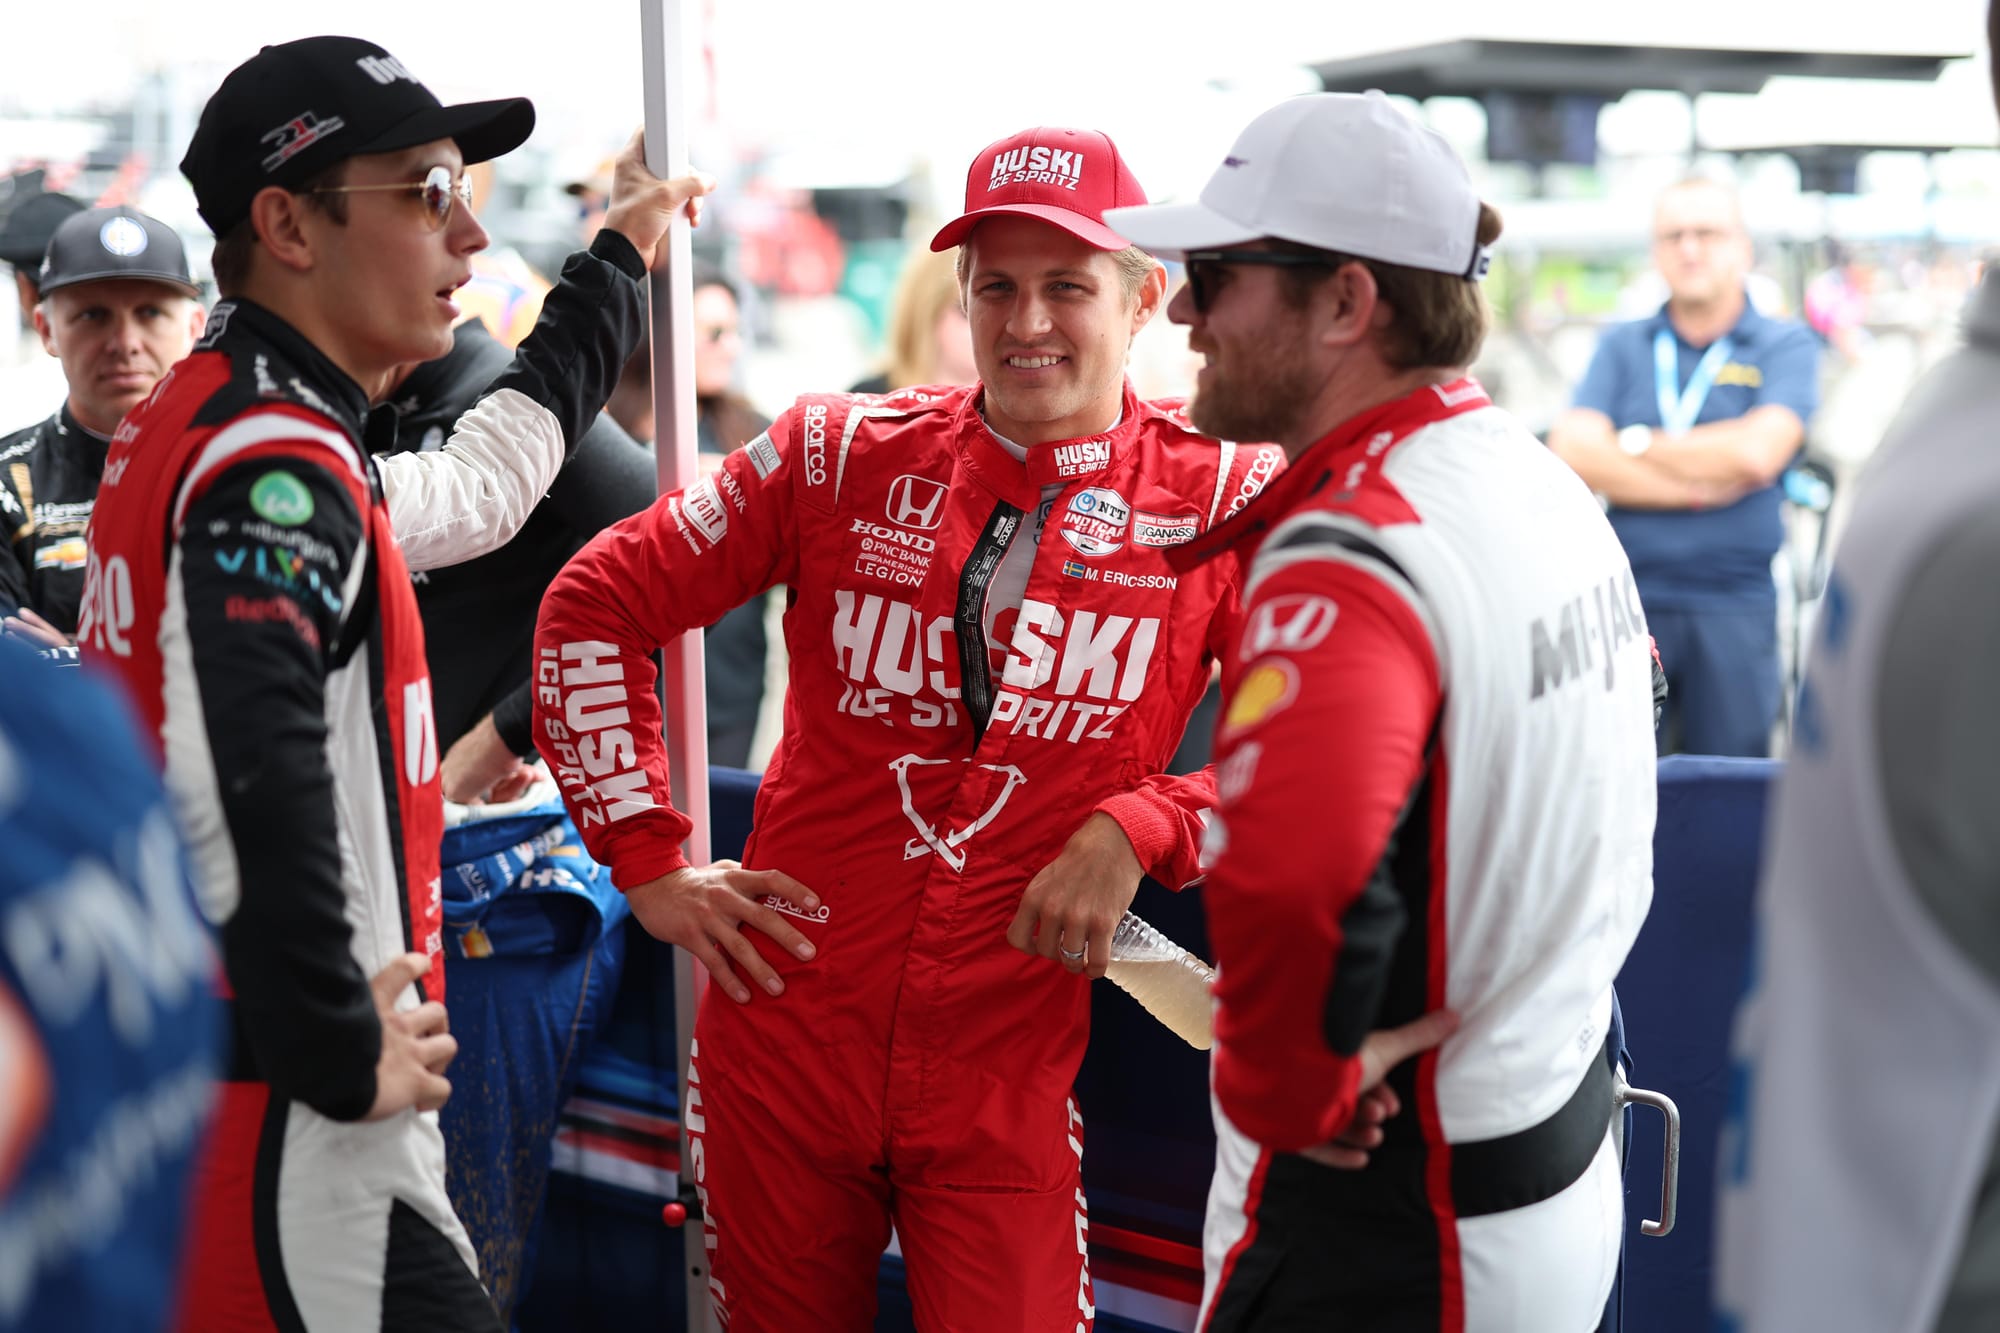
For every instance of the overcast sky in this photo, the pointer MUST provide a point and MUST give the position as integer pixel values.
(892, 80)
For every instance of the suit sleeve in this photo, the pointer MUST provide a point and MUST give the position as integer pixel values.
(472, 496)
(261, 621)
(1320, 752)
(675, 567)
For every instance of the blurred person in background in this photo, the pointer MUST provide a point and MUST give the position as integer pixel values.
(736, 648)
(118, 308)
(24, 239)
(249, 584)
(1684, 423)
(989, 663)
(593, 195)
(930, 341)
(506, 292)
(1860, 1182)
(1837, 301)
(110, 1035)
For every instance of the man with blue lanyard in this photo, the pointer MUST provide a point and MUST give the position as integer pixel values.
(1684, 423)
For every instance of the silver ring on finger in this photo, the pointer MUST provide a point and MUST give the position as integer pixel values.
(1074, 955)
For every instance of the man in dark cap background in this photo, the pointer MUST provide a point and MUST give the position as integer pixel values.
(24, 238)
(117, 306)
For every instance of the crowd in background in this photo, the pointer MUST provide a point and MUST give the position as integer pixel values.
(780, 297)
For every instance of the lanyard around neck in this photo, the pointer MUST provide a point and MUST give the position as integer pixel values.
(1679, 408)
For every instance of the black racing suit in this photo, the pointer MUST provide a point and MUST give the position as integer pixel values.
(48, 483)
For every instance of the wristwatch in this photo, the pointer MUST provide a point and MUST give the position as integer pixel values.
(1635, 440)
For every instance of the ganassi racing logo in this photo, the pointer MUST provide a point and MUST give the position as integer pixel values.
(948, 843)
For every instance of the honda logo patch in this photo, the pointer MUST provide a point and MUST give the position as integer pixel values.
(915, 502)
(1292, 623)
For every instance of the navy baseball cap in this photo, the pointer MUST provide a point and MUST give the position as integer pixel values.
(30, 224)
(102, 243)
(293, 110)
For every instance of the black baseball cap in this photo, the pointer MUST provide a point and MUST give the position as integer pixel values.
(102, 243)
(293, 110)
(30, 224)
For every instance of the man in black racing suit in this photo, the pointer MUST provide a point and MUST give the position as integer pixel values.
(118, 307)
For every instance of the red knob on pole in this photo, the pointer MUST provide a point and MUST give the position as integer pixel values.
(674, 1214)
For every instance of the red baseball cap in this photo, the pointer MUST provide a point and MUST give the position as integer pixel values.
(1064, 177)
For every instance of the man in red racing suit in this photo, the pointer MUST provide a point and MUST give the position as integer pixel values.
(990, 663)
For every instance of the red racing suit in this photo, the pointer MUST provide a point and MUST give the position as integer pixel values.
(1436, 783)
(938, 751)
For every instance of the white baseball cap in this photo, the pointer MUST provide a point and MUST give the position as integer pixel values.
(1346, 172)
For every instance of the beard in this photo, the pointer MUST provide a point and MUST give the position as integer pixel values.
(1262, 399)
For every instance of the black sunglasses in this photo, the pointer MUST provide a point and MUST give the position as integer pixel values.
(437, 187)
(1201, 266)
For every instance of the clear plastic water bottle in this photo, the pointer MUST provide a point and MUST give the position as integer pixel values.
(1169, 981)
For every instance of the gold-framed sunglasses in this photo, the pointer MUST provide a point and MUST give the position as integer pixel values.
(437, 187)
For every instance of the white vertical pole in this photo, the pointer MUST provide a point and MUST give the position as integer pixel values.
(667, 46)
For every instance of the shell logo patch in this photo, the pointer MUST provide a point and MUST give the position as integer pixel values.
(1265, 690)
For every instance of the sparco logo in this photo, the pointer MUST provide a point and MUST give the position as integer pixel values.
(1260, 472)
(1039, 165)
(1074, 460)
(815, 423)
(915, 502)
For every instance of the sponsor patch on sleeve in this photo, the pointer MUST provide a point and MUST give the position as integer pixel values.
(763, 455)
(282, 498)
(701, 515)
(1265, 690)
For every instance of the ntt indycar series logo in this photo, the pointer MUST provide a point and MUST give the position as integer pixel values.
(1037, 166)
(1096, 520)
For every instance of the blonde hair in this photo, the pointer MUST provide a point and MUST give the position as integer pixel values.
(1133, 266)
(928, 286)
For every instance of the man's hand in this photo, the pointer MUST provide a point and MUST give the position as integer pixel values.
(34, 631)
(479, 767)
(703, 909)
(1383, 1051)
(643, 205)
(1071, 908)
(417, 1045)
